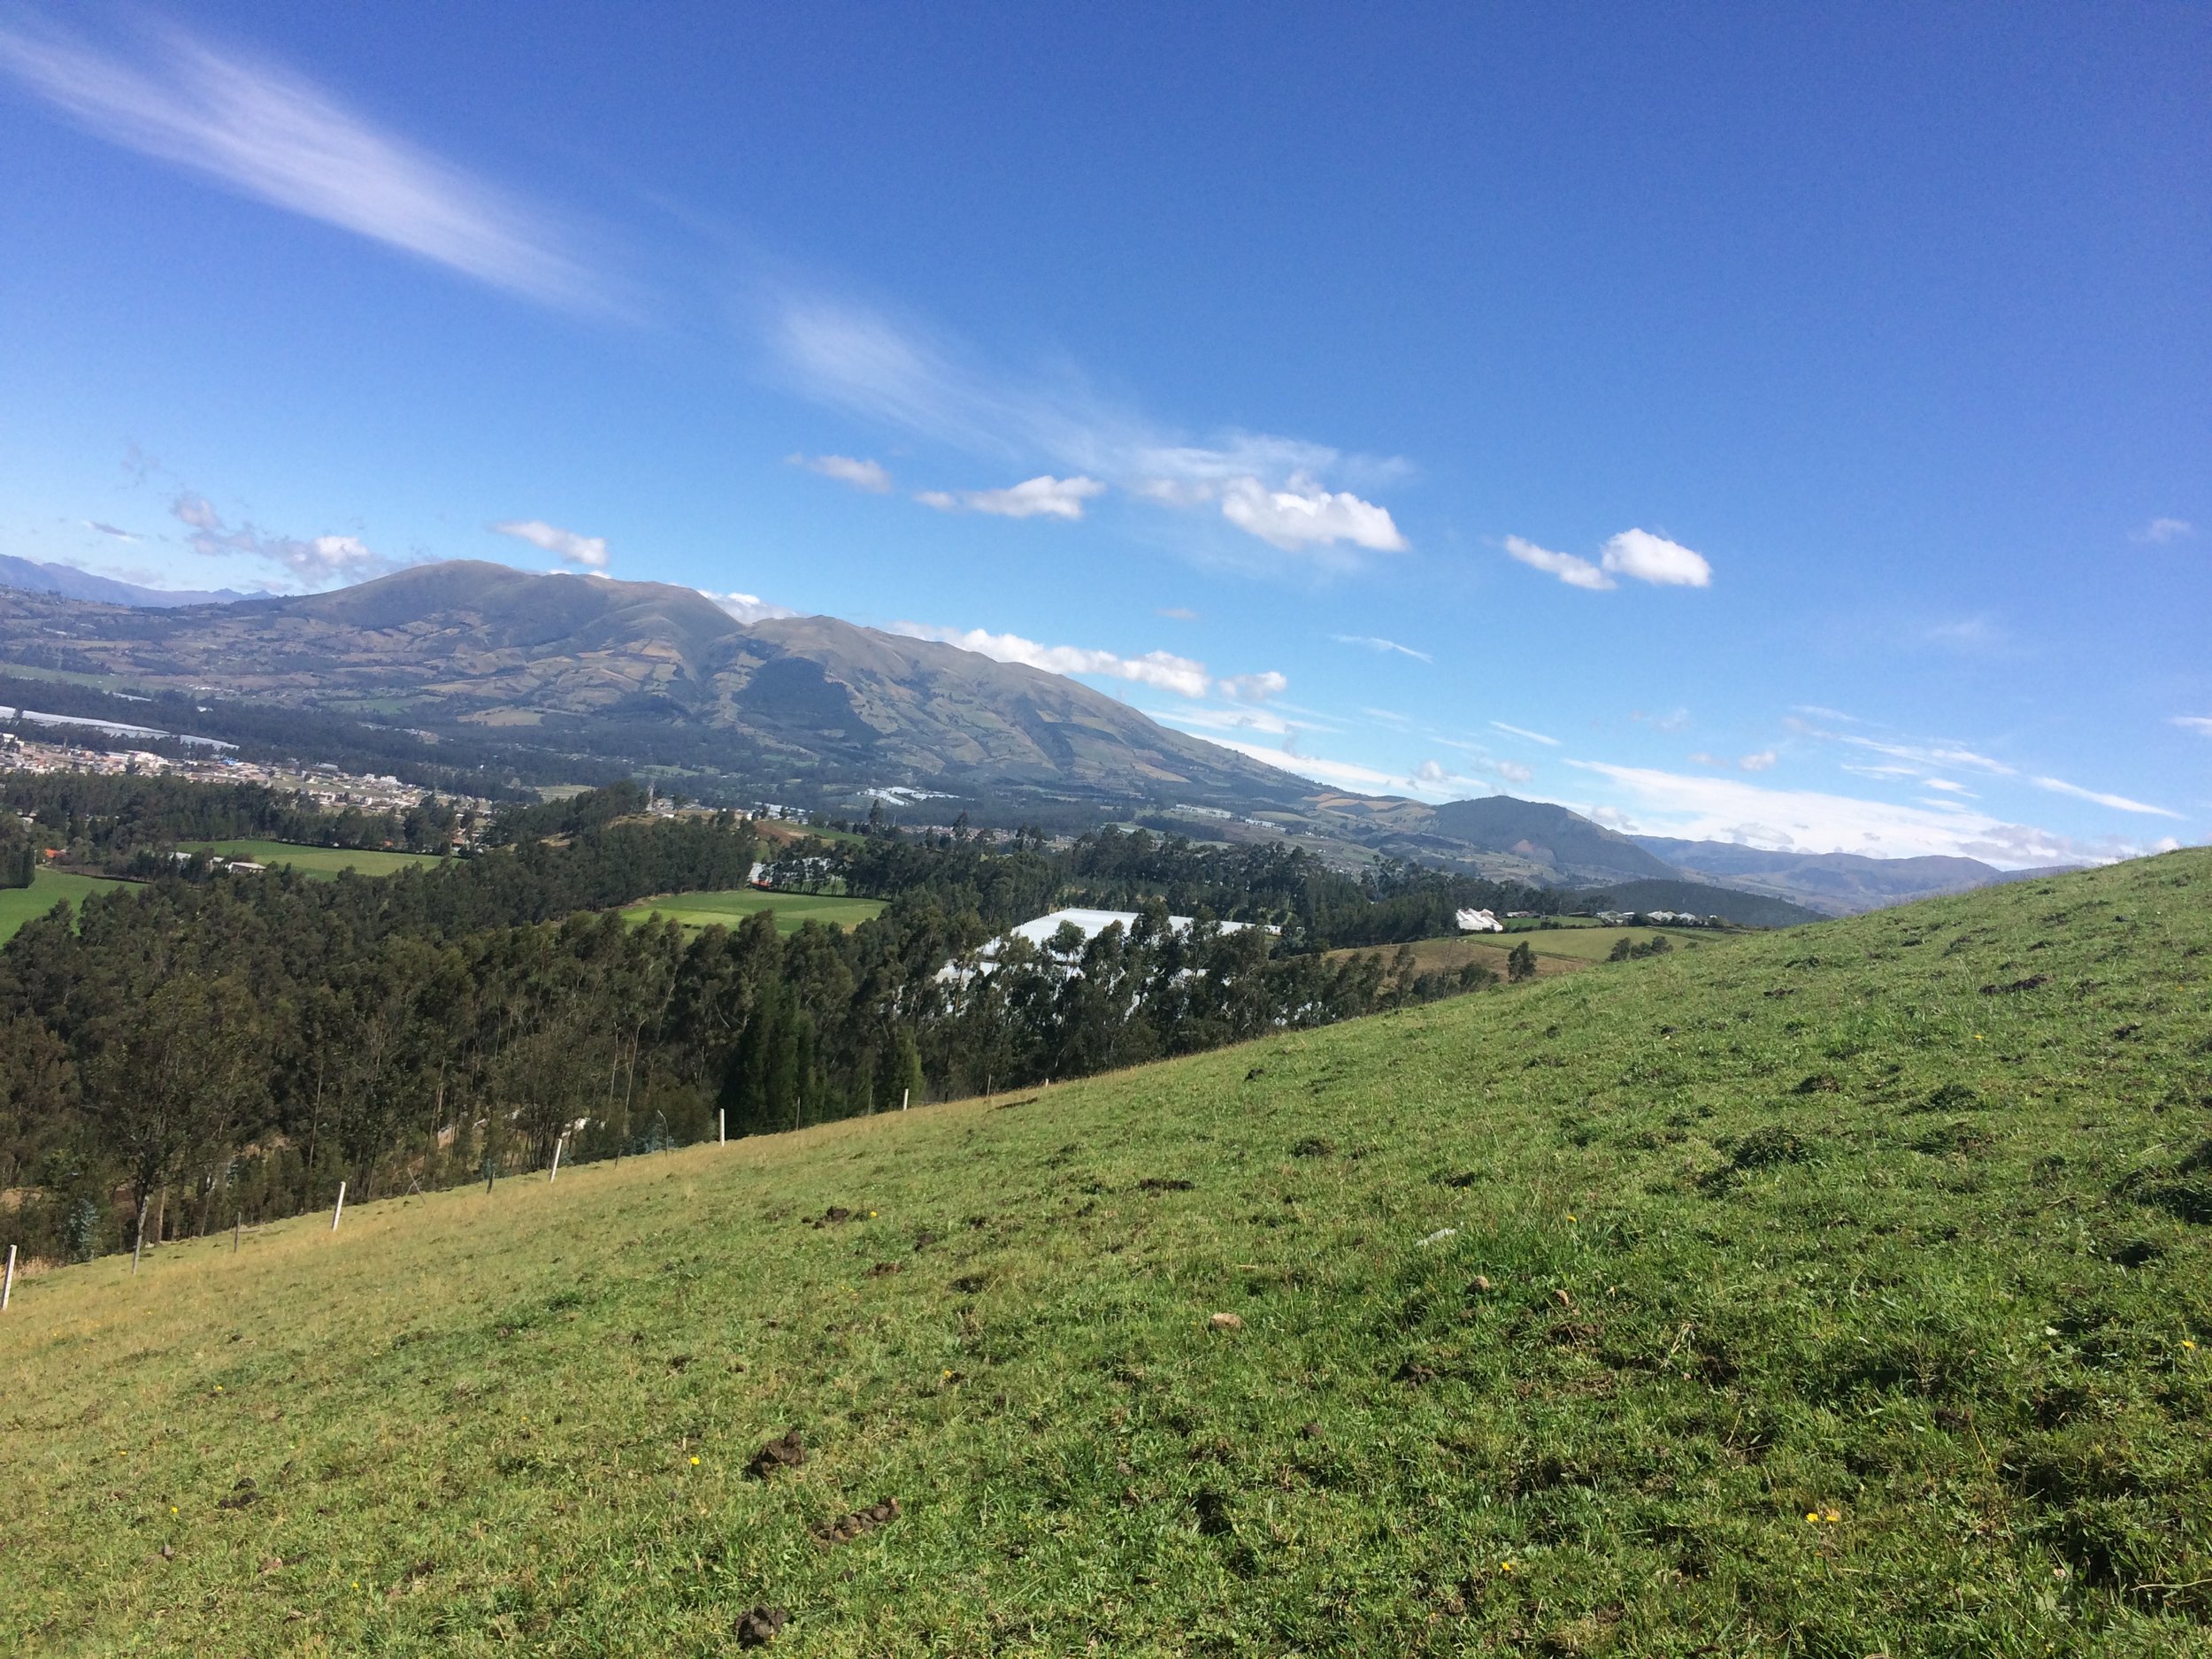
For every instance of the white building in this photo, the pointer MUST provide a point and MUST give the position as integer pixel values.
(1478, 922)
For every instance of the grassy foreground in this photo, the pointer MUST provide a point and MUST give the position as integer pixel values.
(729, 906)
(1828, 1293)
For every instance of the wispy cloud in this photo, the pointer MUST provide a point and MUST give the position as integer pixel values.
(1522, 731)
(271, 133)
(1162, 669)
(1636, 554)
(1571, 569)
(2159, 532)
(1176, 613)
(1375, 644)
(1428, 781)
(2200, 724)
(867, 475)
(1761, 762)
(748, 607)
(1043, 497)
(1253, 688)
(1807, 820)
(2117, 803)
(109, 529)
(586, 552)
(318, 561)
(1295, 497)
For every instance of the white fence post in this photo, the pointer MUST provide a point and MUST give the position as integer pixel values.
(341, 1208)
(722, 1126)
(553, 1174)
(7, 1289)
(904, 1095)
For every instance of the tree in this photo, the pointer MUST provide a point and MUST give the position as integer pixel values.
(1520, 963)
(171, 1085)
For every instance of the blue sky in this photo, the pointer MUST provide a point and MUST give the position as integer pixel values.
(1788, 427)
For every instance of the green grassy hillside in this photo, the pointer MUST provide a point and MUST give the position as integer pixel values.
(1829, 1293)
(730, 906)
(321, 862)
(19, 905)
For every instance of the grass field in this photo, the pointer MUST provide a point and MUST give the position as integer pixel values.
(19, 905)
(1829, 1292)
(320, 861)
(732, 905)
(1595, 944)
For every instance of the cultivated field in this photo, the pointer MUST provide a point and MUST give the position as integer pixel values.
(321, 862)
(1827, 1292)
(732, 905)
(19, 905)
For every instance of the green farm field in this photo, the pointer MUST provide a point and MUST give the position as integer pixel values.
(732, 905)
(322, 863)
(19, 905)
(1838, 1292)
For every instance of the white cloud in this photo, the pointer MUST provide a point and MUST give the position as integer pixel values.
(1428, 782)
(1759, 762)
(2117, 803)
(1176, 613)
(747, 608)
(586, 552)
(1161, 668)
(271, 134)
(868, 475)
(319, 561)
(1522, 731)
(1948, 786)
(1576, 572)
(1806, 820)
(1270, 487)
(1043, 497)
(109, 529)
(1653, 558)
(1374, 644)
(1512, 770)
(1636, 554)
(2159, 532)
(2198, 723)
(1303, 514)
(1253, 688)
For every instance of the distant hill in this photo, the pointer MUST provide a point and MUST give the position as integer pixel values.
(1835, 884)
(648, 672)
(72, 583)
(1746, 909)
(1578, 851)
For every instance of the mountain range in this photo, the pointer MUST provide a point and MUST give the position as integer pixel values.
(819, 711)
(30, 576)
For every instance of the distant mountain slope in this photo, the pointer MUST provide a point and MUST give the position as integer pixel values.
(1746, 909)
(72, 583)
(1835, 884)
(646, 671)
(1551, 836)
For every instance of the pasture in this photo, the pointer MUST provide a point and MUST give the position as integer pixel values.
(732, 905)
(318, 863)
(19, 905)
(1838, 1292)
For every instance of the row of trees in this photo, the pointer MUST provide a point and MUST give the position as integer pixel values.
(184, 1053)
(122, 820)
